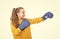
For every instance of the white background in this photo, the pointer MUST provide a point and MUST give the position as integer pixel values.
(49, 29)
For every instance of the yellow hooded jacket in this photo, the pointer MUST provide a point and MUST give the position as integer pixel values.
(26, 33)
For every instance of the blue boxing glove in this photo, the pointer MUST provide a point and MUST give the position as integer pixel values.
(25, 23)
(47, 15)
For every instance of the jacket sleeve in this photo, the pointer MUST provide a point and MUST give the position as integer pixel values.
(15, 30)
(35, 20)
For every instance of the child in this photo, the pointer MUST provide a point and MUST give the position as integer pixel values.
(20, 26)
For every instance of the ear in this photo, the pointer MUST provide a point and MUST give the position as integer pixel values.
(17, 13)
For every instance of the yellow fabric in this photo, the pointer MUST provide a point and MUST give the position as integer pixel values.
(26, 33)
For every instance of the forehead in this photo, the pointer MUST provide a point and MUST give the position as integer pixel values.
(21, 9)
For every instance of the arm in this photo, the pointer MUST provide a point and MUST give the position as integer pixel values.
(40, 19)
(26, 22)
(36, 20)
(15, 30)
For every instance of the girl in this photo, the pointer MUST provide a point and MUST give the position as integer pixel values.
(20, 26)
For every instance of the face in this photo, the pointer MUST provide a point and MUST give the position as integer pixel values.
(21, 14)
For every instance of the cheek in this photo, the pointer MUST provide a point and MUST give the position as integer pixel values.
(21, 15)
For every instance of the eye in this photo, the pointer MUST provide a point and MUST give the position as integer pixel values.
(23, 12)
